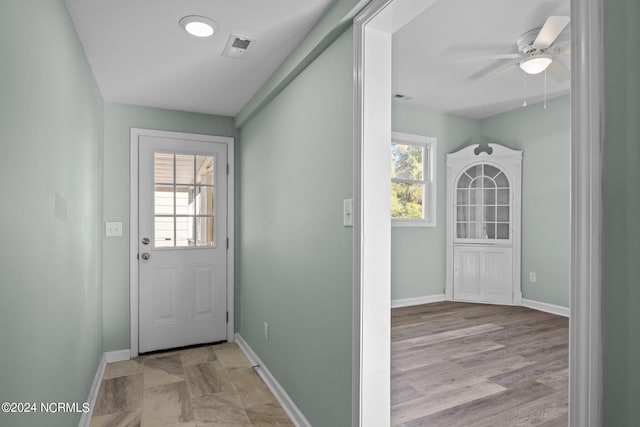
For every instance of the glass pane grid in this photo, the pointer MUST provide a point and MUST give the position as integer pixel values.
(482, 204)
(184, 208)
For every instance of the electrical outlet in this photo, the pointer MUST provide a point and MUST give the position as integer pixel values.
(266, 331)
(532, 277)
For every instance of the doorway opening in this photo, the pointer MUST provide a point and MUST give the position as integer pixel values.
(374, 28)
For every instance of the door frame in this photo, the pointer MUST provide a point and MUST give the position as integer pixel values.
(373, 28)
(136, 133)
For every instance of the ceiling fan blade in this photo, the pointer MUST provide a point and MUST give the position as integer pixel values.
(485, 57)
(550, 31)
(497, 73)
(558, 71)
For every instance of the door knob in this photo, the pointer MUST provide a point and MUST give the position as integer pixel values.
(145, 256)
(146, 241)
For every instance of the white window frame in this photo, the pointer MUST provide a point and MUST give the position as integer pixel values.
(429, 194)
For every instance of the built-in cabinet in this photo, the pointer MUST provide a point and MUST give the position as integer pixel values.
(483, 224)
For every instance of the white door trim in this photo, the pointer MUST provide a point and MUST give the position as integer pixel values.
(373, 28)
(133, 224)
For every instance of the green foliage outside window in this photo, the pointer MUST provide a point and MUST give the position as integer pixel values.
(407, 173)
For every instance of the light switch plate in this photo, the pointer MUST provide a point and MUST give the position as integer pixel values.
(348, 212)
(113, 229)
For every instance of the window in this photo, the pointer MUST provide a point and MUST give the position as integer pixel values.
(184, 200)
(413, 190)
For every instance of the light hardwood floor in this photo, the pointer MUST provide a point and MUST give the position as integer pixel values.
(209, 386)
(459, 364)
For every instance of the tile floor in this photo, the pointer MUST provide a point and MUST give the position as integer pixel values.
(212, 386)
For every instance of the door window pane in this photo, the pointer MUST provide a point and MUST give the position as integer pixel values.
(163, 168)
(163, 231)
(205, 231)
(184, 231)
(163, 200)
(204, 200)
(185, 169)
(205, 170)
(184, 202)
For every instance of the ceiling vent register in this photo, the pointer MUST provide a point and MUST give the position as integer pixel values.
(237, 46)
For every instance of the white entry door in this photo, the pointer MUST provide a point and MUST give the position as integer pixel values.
(182, 242)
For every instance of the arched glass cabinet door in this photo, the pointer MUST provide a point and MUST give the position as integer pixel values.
(482, 204)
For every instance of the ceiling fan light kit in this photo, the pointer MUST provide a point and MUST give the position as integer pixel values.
(535, 64)
(536, 51)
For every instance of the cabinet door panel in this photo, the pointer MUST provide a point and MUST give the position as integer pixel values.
(467, 273)
(498, 275)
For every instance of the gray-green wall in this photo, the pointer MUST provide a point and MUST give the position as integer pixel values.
(418, 253)
(118, 121)
(51, 136)
(621, 234)
(295, 255)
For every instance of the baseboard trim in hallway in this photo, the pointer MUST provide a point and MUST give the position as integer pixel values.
(108, 357)
(547, 308)
(407, 302)
(297, 417)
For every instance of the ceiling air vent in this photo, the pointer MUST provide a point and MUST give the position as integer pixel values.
(237, 46)
(402, 97)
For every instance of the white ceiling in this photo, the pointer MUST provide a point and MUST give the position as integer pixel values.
(139, 54)
(426, 53)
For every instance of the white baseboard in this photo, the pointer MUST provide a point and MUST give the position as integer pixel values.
(416, 301)
(548, 308)
(85, 420)
(111, 356)
(297, 417)
(117, 356)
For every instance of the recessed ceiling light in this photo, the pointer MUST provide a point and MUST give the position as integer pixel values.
(198, 26)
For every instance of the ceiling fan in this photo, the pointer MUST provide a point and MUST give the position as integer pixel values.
(536, 52)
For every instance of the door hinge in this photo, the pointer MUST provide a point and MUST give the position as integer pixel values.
(227, 317)
(138, 257)
(227, 243)
(227, 168)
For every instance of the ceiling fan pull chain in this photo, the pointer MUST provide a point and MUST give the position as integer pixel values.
(545, 89)
(524, 79)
